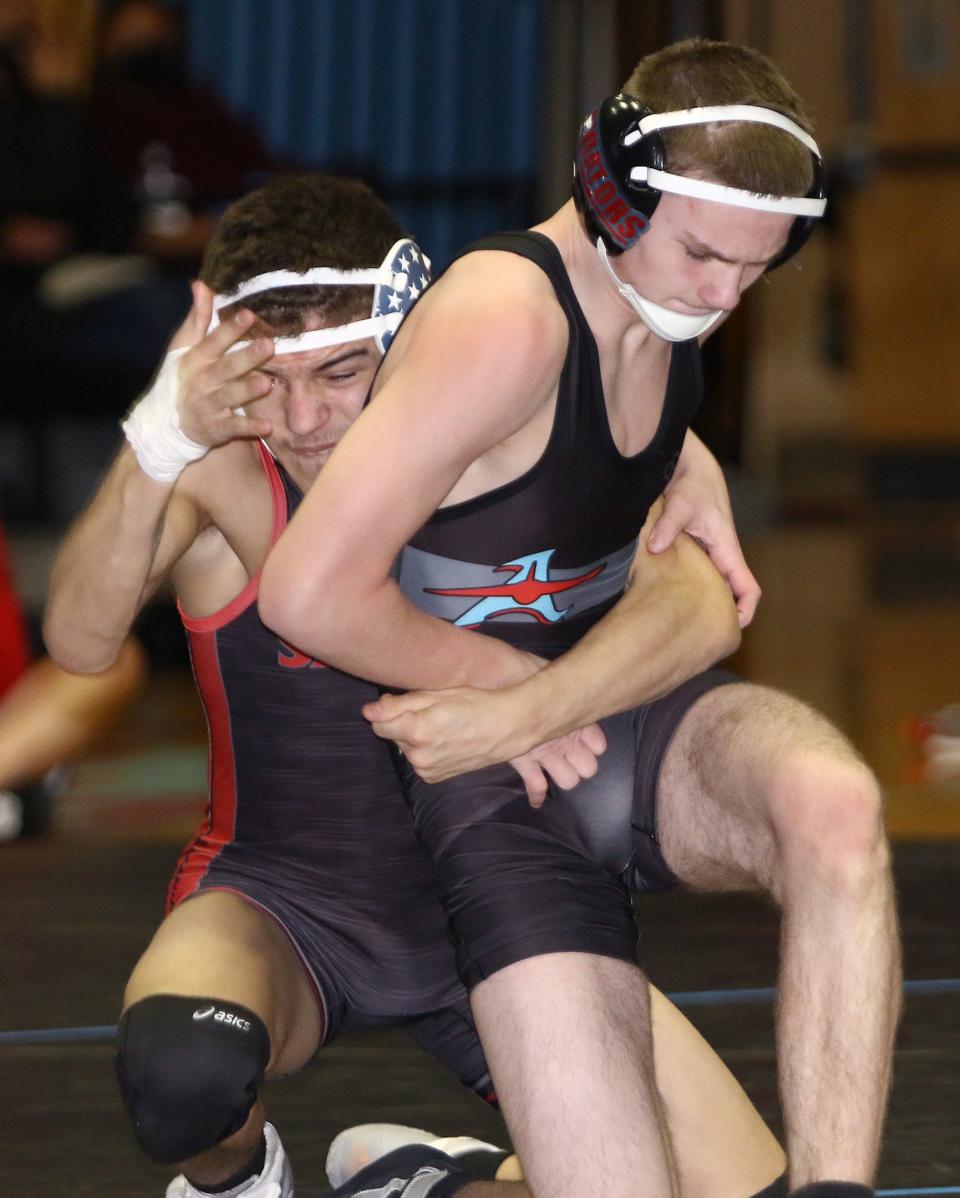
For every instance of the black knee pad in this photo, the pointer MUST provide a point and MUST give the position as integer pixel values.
(189, 1069)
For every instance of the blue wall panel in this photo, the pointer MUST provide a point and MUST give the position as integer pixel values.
(436, 102)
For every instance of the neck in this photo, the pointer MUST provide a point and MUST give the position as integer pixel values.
(609, 316)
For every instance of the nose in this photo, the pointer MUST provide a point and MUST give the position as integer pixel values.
(306, 409)
(724, 286)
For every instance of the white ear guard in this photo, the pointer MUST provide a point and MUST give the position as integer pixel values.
(397, 283)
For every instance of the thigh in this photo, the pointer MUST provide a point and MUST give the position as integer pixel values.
(514, 880)
(217, 945)
(720, 775)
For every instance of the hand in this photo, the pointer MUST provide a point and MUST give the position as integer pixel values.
(696, 501)
(212, 382)
(446, 733)
(566, 760)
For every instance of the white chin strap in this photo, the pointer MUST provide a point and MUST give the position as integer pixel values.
(664, 322)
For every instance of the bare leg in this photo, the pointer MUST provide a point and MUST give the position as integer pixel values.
(758, 791)
(48, 715)
(217, 945)
(723, 1148)
(568, 1041)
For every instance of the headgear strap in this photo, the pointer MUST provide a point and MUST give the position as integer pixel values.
(398, 282)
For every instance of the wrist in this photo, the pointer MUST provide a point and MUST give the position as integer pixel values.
(530, 711)
(153, 430)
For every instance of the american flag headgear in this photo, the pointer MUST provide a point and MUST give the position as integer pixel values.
(397, 284)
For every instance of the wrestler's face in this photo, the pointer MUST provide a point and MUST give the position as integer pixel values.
(698, 255)
(314, 397)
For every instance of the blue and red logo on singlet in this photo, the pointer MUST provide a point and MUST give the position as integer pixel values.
(529, 592)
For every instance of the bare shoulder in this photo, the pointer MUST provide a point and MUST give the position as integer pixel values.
(227, 477)
(508, 292)
(491, 321)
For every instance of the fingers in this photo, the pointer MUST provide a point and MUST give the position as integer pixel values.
(595, 740)
(534, 780)
(739, 578)
(195, 323)
(388, 707)
(223, 365)
(214, 380)
(401, 728)
(677, 515)
(213, 361)
(747, 601)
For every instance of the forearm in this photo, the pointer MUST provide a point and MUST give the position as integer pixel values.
(662, 632)
(99, 578)
(377, 633)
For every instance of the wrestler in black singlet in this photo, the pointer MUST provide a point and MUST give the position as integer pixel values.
(537, 562)
(306, 821)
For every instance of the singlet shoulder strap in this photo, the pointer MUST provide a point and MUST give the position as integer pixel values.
(534, 247)
(283, 494)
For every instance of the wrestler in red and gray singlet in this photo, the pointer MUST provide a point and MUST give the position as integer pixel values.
(305, 812)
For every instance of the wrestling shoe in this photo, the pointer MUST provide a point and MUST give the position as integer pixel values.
(274, 1181)
(415, 1171)
(359, 1146)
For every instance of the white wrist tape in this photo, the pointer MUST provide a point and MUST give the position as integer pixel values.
(153, 426)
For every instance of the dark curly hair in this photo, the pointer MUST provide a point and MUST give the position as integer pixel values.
(297, 222)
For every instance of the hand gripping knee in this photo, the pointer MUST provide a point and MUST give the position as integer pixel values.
(189, 1069)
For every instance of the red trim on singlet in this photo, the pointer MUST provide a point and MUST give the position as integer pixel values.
(14, 647)
(217, 829)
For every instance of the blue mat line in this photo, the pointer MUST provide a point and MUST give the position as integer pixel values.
(919, 1190)
(707, 998)
(682, 998)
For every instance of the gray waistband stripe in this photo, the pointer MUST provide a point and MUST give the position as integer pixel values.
(526, 588)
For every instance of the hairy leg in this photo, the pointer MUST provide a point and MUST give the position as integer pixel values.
(567, 1037)
(219, 946)
(759, 791)
(723, 1148)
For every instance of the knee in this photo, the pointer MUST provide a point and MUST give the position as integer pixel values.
(827, 814)
(189, 1069)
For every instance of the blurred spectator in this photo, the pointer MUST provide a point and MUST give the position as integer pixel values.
(113, 169)
(183, 154)
(56, 200)
(47, 716)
